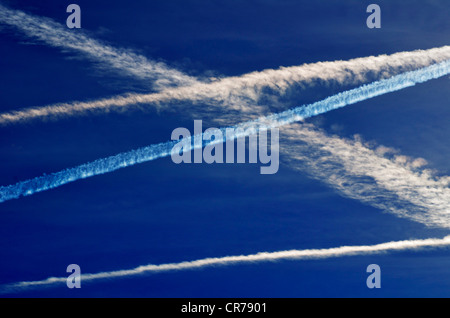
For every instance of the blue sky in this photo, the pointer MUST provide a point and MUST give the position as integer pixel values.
(159, 212)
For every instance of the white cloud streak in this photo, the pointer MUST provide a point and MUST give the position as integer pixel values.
(240, 259)
(57, 35)
(243, 94)
(375, 176)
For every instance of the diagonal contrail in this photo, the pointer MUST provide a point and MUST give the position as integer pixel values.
(376, 176)
(152, 152)
(242, 93)
(231, 260)
(57, 35)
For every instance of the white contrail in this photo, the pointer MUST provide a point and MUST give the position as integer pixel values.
(152, 152)
(231, 260)
(57, 35)
(242, 93)
(383, 179)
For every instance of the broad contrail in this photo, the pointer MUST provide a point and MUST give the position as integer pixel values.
(247, 93)
(377, 176)
(231, 260)
(152, 152)
(57, 35)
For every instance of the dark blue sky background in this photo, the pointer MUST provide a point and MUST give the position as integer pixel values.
(160, 212)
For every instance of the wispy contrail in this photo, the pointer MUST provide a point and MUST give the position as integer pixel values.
(242, 93)
(152, 152)
(231, 260)
(375, 176)
(57, 35)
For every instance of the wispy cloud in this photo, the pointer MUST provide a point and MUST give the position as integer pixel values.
(247, 94)
(57, 35)
(109, 164)
(375, 176)
(232, 260)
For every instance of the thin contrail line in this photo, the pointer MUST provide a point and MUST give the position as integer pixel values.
(243, 93)
(232, 260)
(57, 35)
(152, 152)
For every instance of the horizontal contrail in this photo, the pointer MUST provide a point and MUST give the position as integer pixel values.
(57, 35)
(242, 93)
(231, 260)
(157, 151)
(377, 176)
(152, 152)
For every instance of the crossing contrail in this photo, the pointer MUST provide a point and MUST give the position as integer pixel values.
(109, 164)
(244, 94)
(239, 259)
(57, 35)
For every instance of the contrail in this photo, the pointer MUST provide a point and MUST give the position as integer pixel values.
(243, 93)
(376, 176)
(57, 35)
(232, 260)
(152, 152)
